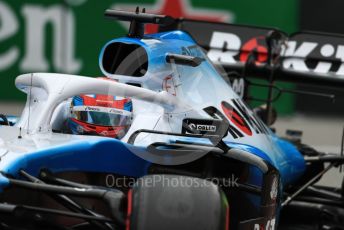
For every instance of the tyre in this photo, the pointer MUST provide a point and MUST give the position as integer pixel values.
(172, 202)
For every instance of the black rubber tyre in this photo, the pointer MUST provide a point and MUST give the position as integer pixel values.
(172, 202)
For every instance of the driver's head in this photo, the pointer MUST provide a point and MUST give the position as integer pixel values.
(102, 115)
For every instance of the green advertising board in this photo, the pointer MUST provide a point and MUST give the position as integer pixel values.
(66, 36)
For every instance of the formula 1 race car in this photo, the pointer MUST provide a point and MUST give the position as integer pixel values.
(163, 141)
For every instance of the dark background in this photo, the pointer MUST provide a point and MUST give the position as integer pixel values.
(326, 16)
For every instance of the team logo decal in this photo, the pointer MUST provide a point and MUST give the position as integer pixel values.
(303, 52)
(204, 128)
(270, 225)
(240, 121)
(169, 86)
(234, 116)
(257, 45)
(274, 189)
(238, 86)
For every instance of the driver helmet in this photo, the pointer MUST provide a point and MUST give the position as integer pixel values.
(101, 115)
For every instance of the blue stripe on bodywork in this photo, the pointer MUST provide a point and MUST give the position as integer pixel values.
(113, 156)
(102, 155)
(288, 160)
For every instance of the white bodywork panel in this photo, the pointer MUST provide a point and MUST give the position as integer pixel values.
(151, 110)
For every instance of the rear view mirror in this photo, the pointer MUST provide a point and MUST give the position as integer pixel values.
(180, 59)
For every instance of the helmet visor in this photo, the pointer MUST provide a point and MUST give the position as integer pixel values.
(102, 116)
